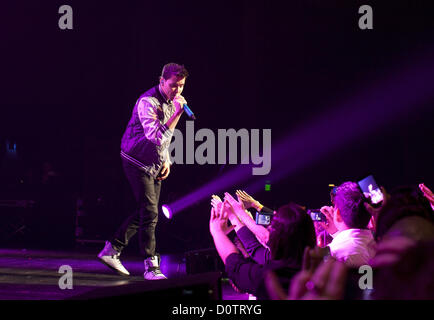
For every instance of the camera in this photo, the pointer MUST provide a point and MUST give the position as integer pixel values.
(263, 218)
(317, 215)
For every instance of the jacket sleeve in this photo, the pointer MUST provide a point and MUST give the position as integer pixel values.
(245, 274)
(267, 210)
(254, 248)
(154, 130)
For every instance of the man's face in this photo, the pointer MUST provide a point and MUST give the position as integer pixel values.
(173, 86)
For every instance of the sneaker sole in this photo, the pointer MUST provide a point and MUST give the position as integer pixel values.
(114, 269)
(155, 279)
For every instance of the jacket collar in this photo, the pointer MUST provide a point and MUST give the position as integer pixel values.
(162, 95)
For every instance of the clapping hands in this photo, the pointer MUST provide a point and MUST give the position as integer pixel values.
(219, 217)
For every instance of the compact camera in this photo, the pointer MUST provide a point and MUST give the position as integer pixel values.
(263, 218)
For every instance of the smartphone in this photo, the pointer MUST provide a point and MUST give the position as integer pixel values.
(263, 218)
(371, 190)
(316, 215)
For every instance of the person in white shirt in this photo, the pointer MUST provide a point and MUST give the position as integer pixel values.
(347, 223)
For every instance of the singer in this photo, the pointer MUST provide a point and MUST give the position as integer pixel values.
(146, 162)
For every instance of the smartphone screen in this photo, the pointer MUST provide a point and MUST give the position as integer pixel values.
(371, 190)
(316, 215)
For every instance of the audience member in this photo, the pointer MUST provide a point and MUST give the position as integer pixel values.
(290, 266)
(429, 195)
(245, 201)
(405, 234)
(406, 213)
(321, 278)
(347, 223)
(291, 231)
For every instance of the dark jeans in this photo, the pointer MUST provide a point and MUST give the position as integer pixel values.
(144, 220)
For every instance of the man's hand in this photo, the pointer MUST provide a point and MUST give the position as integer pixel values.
(329, 225)
(179, 102)
(165, 170)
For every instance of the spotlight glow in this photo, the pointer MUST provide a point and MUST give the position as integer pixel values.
(167, 211)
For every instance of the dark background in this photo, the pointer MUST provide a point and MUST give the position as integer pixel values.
(67, 96)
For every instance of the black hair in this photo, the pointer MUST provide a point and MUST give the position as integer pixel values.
(171, 69)
(404, 201)
(350, 201)
(291, 231)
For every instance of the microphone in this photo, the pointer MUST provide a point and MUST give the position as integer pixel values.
(189, 113)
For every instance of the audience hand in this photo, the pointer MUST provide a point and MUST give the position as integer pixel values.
(329, 225)
(427, 193)
(248, 200)
(219, 220)
(236, 205)
(233, 218)
(216, 202)
(217, 198)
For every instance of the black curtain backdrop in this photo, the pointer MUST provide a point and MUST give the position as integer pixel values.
(66, 95)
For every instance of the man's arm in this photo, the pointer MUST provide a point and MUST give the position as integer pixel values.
(154, 130)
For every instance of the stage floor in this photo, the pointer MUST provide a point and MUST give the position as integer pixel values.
(34, 274)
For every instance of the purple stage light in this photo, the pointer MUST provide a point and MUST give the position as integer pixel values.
(167, 211)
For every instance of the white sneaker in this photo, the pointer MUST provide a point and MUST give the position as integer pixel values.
(110, 257)
(152, 269)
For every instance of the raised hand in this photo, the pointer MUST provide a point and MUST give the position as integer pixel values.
(247, 200)
(179, 102)
(164, 171)
(216, 202)
(329, 225)
(236, 205)
(427, 193)
(219, 219)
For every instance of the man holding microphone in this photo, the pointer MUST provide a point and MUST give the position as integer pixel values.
(146, 162)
